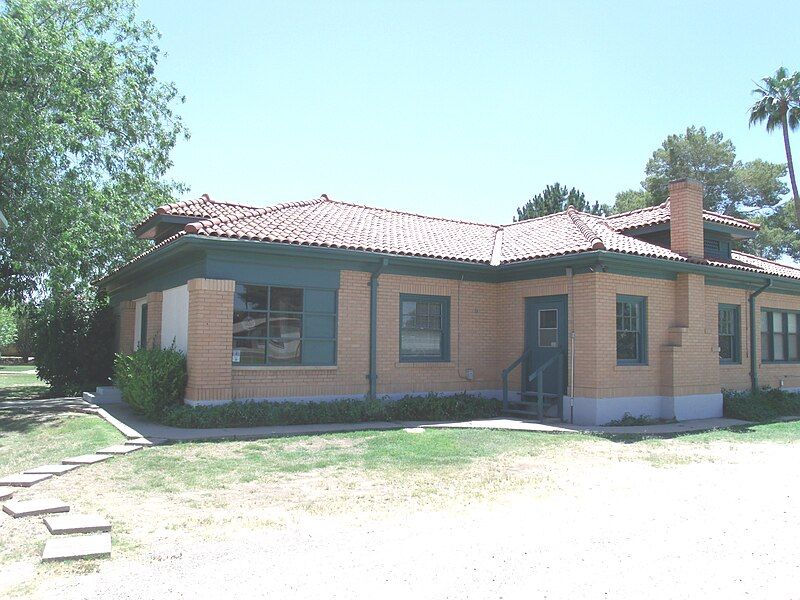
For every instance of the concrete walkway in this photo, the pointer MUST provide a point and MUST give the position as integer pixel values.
(135, 426)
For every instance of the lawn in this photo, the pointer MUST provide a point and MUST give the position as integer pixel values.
(428, 506)
(19, 382)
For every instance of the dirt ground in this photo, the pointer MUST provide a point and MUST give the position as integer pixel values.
(581, 520)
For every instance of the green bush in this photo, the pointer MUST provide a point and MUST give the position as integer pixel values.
(73, 341)
(152, 380)
(409, 408)
(767, 405)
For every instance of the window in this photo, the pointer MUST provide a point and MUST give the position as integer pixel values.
(631, 330)
(779, 336)
(548, 328)
(729, 336)
(276, 326)
(143, 327)
(424, 328)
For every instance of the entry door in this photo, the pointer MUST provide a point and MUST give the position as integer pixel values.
(546, 335)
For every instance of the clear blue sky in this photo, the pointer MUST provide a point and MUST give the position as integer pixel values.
(458, 109)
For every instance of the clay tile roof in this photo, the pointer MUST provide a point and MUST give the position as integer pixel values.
(656, 215)
(334, 224)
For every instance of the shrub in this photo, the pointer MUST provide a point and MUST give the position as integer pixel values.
(768, 404)
(409, 408)
(152, 380)
(73, 341)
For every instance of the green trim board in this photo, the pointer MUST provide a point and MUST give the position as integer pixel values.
(415, 321)
(729, 325)
(209, 257)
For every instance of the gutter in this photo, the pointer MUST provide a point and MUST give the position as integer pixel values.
(753, 359)
(373, 329)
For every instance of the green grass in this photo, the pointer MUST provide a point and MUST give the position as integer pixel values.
(17, 384)
(16, 368)
(777, 432)
(31, 439)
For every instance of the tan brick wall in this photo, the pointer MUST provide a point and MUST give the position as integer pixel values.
(210, 339)
(127, 326)
(153, 334)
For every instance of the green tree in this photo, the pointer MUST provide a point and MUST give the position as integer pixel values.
(85, 137)
(631, 200)
(8, 326)
(778, 104)
(556, 198)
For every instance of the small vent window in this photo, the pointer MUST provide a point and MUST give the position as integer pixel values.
(712, 248)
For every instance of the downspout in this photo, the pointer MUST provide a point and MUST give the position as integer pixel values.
(753, 358)
(373, 329)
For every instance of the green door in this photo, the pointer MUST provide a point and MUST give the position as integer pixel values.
(546, 335)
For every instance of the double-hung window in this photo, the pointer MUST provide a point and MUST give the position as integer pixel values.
(424, 328)
(631, 330)
(729, 334)
(779, 336)
(276, 325)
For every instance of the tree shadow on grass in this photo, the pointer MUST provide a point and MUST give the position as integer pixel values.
(24, 392)
(23, 421)
(745, 431)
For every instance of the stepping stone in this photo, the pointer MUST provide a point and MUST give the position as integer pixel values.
(30, 508)
(82, 546)
(86, 459)
(414, 430)
(139, 442)
(24, 479)
(73, 523)
(119, 449)
(52, 469)
(6, 492)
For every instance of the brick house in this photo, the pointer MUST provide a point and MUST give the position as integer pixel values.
(647, 312)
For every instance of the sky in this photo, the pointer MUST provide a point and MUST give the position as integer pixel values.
(457, 109)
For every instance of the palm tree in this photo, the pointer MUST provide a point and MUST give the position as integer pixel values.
(779, 105)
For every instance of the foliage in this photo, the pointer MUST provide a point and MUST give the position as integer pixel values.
(73, 342)
(779, 105)
(631, 200)
(8, 326)
(84, 140)
(768, 404)
(152, 380)
(25, 333)
(556, 198)
(779, 234)
(628, 420)
(410, 408)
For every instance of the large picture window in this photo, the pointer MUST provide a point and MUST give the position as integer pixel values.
(729, 336)
(424, 328)
(274, 325)
(631, 330)
(779, 336)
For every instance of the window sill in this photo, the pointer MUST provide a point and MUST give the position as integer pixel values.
(424, 363)
(626, 366)
(284, 367)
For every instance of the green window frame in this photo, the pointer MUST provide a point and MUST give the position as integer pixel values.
(780, 336)
(729, 334)
(143, 326)
(276, 325)
(631, 315)
(424, 328)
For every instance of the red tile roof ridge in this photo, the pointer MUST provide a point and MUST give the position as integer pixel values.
(744, 222)
(590, 234)
(539, 218)
(198, 226)
(638, 210)
(762, 259)
(410, 214)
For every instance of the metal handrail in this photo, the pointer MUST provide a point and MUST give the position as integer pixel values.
(508, 370)
(540, 380)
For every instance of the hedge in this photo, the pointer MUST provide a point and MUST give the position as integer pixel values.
(767, 405)
(409, 408)
(151, 380)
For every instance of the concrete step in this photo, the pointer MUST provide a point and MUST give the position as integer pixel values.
(86, 459)
(96, 545)
(31, 508)
(52, 469)
(75, 523)
(143, 442)
(6, 492)
(119, 449)
(23, 479)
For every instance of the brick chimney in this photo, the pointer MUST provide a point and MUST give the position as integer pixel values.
(686, 217)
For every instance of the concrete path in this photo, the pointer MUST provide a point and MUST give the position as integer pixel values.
(83, 546)
(156, 433)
